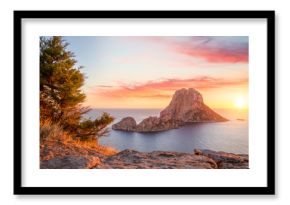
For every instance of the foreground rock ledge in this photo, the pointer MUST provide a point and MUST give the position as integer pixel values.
(69, 156)
(199, 159)
(131, 159)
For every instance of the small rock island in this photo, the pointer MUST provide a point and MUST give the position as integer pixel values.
(186, 106)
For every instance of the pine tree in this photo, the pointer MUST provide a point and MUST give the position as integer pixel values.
(60, 90)
(60, 81)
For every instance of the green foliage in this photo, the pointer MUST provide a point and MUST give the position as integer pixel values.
(60, 90)
(60, 83)
(93, 129)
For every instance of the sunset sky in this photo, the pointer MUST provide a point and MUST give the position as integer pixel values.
(144, 72)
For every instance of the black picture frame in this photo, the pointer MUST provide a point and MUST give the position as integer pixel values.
(268, 190)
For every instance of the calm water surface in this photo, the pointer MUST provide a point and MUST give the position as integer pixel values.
(231, 136)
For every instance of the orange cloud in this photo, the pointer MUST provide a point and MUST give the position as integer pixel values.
(163, 88)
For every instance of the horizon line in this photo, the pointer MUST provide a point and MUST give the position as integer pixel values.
(232, 108)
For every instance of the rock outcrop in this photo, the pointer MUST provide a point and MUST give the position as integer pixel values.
(154, 124)
(186, 106)
(199, 159)
(60, 155)
(127, 124)
(226, 160)
(71, 162)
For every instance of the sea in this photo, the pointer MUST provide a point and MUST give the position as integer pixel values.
(230, 136)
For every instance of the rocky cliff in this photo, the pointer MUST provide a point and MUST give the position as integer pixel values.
(186, 106)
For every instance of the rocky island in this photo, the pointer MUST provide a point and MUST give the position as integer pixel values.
(186, 106)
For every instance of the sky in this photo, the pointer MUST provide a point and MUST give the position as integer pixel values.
(145, 71)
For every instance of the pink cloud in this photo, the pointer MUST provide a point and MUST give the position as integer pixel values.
(164, 88)
(214, 55)
(211, 49)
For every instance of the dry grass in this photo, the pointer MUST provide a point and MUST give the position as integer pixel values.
(108, 151)
(50, 133)
(54, 132)
(93, 144)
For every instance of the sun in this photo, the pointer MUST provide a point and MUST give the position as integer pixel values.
(240, 102)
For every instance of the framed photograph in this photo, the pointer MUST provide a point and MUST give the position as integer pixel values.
(144, 102)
